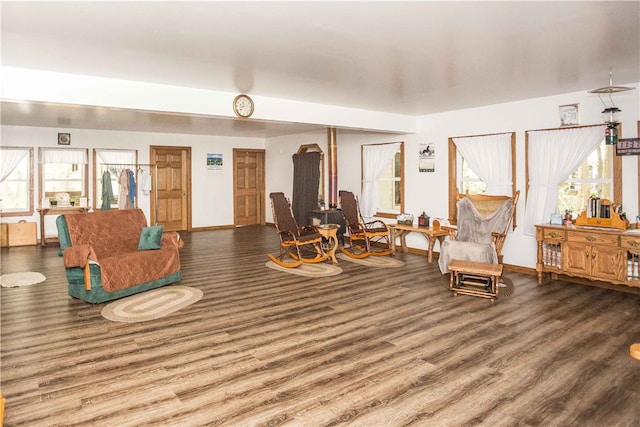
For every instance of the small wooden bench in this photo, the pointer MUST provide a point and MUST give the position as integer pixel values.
(475, 278)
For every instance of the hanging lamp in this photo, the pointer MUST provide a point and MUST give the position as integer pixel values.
(610, 112)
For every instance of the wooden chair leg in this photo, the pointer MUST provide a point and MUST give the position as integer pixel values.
(634, 351)
(2, 404)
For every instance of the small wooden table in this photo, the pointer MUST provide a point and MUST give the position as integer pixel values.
(475, 278)
(401, 231)
(56, 211)
(330, 233)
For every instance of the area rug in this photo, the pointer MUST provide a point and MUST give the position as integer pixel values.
(373, 261)
(152, 304)
(15, 280)
(320, 269)
(505, 287)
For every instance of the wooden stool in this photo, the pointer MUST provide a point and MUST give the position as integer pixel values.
(479, 279)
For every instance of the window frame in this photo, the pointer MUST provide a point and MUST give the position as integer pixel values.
(617, 164)
(379, 214)
(30, 207)
(453, 173)
(41, 177)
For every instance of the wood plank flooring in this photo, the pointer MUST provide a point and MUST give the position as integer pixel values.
(369, 347)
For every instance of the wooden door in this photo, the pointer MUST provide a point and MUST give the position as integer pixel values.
(248, 187)
(170, 205)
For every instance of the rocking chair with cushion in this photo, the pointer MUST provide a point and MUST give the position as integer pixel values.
(299, 244)
(482, 227)
(366, 238)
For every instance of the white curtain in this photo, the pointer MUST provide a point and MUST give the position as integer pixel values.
(553, 155)
(375, 159)
(65, 155)
(489, 156)
(121, 157)
(10, 158)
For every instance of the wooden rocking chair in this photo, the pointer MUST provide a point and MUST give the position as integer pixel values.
(300, 244)
(365, 238)
(482, 226)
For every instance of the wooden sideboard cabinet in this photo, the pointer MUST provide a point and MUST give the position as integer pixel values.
(598, 254)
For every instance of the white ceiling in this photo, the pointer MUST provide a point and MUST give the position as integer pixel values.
(411, 58)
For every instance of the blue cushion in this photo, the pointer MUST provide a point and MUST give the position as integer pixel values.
(151, 238)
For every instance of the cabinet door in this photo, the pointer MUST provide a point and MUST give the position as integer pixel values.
(606, 263)
(576, 259)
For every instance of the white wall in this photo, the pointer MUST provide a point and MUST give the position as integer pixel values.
(212, 191)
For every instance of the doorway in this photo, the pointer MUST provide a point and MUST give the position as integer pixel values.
(248, 186)
(172, 205)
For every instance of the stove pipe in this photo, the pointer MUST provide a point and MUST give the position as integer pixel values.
(333, 168)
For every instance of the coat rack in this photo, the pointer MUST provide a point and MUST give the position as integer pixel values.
(138, 167)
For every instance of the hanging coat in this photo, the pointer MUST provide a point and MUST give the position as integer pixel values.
(107, 191)
(132, 189)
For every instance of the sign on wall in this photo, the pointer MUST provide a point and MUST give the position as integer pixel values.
(628, 147)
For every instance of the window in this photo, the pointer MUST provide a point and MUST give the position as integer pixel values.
(594, 177)
(390, 187)
(16, 181)
(63, 171)
(494, 170)
(383, 180)
(469, 180)
(114, 162)
(563, 166)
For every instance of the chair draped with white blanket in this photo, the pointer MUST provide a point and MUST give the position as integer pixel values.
(482, 227)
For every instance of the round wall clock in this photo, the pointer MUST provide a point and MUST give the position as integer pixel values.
(243, 106)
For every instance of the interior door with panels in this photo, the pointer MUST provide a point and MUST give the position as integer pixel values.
(172, 208)
(248, 186)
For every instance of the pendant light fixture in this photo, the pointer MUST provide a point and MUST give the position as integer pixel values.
(610, 112)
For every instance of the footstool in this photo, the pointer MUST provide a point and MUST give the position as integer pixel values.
(479, 279)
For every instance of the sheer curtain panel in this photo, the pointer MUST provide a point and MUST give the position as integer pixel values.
(553, 155)
(63, 155)
(375, 159)
(489, 156)
(10, 158)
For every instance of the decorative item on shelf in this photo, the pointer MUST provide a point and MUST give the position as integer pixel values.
(405, 219)
(556, 219)
(63, 200)
(610, 112)
(568, 218)
(602, 213)
(423, 220)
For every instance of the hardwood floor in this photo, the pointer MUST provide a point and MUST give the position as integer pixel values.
(369, 347)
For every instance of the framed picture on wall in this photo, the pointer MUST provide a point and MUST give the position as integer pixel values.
(569, 115)
(64, 139)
